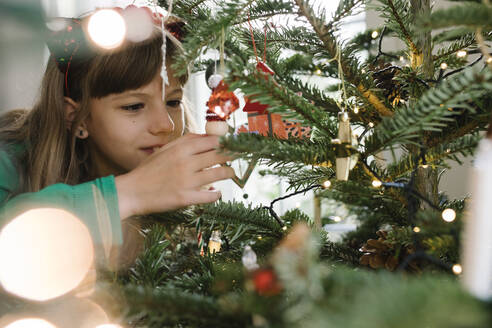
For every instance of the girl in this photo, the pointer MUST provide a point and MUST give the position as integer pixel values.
(100, 142)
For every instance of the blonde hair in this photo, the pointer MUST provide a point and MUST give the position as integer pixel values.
(53, 153)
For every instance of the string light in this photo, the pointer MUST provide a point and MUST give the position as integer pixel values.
(336, 218)
(376, 183)
(356, 110)
(461, 54)
(327, 184)
(374, 34)
(317, 72)
(402, 58)
(424, 166)
(371, 124)
(457, 269)
(489, 60)
(444, 65)
(416, 229)
(298, 204)
(284, 228)
(260, 237)
(107, 28)
(448, 215)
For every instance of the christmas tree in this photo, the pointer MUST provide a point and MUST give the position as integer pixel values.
(379, 138)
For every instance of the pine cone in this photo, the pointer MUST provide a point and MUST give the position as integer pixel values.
(378, 253)
(384, 78)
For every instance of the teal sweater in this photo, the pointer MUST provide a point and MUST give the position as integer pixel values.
(95, 202)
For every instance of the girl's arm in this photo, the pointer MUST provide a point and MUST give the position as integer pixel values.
(95, 203)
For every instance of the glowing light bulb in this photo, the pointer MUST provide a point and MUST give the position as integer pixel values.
(31, 323)
(317, 72)
(336, 218)
(402, 58)
(376, 183)
(371, 124)
(424, 166)
(444, 66)
(416, 229)
(374, 34)
(298, 204)
(284, 228)
(489, 60)
(356, 110)
(461, 54)
(327, 184)
(260, 237)
(448, 215)
(107, 28)
(457, 269)
(44, 253)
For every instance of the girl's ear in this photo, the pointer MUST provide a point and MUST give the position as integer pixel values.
(71, 108)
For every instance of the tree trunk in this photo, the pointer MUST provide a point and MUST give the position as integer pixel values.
(426, 179)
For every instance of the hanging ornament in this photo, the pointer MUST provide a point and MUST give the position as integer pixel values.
(249, 259)
(345, 161)
(266, 282)
(214, 242)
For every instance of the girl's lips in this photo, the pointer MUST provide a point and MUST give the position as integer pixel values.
(151, 150)
(148, 150)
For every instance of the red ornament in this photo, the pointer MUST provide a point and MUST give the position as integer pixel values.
(256, 106)
(266, 283)
(222, 102)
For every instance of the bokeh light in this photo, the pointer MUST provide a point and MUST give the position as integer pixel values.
(30, 323)
(107, 28)
(448, 215)
(44, 253)
(139, 25)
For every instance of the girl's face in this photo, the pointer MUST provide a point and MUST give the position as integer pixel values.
(125, 127)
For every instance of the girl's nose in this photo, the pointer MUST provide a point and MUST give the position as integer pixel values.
(160, 120)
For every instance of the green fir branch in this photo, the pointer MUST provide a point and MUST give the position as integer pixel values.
(463, 42)
(346, 8)
(464, 146)
(267, 91)
(280, 151)
(236, 215)
(431, 112)
(471, 15)
(168, 307)
(348, 62)
(397, 14)
(340, 252)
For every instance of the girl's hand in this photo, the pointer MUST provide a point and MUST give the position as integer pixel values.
(173, 177)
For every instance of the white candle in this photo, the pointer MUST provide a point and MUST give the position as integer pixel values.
(477, 238)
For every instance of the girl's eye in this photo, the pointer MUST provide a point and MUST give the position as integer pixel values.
(133, 107)
(174, 103)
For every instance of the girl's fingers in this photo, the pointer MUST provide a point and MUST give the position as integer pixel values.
(214, 174)
(205, 196)
(210, 158)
